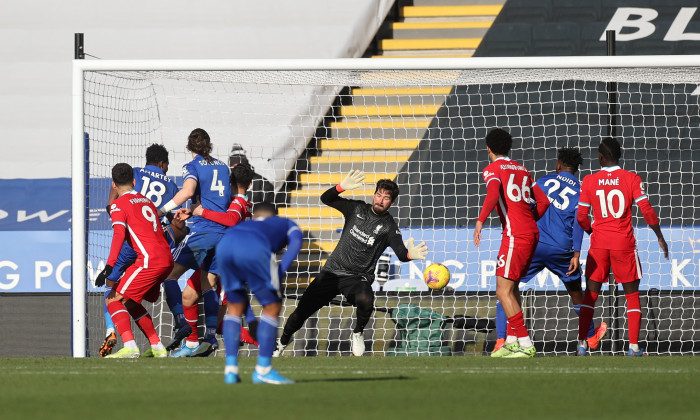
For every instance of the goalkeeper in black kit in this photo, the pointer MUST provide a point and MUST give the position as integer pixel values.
(368, 230)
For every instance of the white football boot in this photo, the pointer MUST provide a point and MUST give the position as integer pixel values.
(357, 344)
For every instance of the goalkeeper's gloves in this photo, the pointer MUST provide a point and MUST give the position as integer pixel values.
(102, 277)
(417, 252)
(354, 179)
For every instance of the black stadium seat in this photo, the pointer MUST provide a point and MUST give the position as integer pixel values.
(555, 39)
(526, 11)
(508, 40)
(575, 10)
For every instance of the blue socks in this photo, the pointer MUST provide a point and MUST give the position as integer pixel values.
(501, 321)
(173, 296)
(267, 336)
(591, 329)
(249, 315)
(211, 314)
(232, 338)
(109, 325)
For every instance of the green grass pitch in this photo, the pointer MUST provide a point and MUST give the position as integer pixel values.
(355, 388)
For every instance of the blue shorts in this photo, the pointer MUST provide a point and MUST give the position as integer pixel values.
(197, 250)
(127, 256)
(245, 259)
(555, 260)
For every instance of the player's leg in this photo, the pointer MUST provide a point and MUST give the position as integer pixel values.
(144, 322)
(110, 337)
(190, 295)
(628, 271)
(358, 291)
(174, 297)
(515, 256)
(317, 295)
(597, 271)
(211, 307)
(595, 333)
(122, 321)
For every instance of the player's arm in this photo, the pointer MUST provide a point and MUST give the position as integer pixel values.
(189, 187)
(354, 179)
(295, 239)
(584, 207)
(405, 254)
(493, 191)
(542, 201)
(577, 237)
(235, 213)
(650, 216)
(118, 237)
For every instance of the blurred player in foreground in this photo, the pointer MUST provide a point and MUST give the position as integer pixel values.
(559, 247)
(610, 193)
(368, 230)
(246, 257)
(135, 219)
(510, 190)
(238, 211)
(153, 183)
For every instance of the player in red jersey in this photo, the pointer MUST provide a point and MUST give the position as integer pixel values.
(610, 194)
(135, 219)
(510, 190)
(238, 211)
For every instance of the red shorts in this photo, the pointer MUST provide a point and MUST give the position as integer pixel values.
(515, 256)
(195, 282)
(140, 283)
(625, 265)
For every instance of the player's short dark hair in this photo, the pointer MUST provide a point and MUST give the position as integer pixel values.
(156, 153)
(499, 141)
(265, 206)
(199, 142)
(123, 174)
(610, 149)
(242, 175)
(388, 185)
(570, 157)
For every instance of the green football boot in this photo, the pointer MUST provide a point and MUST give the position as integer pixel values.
(125, 353)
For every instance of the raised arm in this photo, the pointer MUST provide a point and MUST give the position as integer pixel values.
(331, 197)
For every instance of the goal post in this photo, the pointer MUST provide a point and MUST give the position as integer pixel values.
(305, 122)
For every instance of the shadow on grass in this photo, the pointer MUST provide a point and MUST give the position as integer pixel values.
(381, 378)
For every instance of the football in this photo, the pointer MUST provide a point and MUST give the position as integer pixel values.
(436, 276)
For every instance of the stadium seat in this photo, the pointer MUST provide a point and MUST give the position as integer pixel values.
(575, 10)
(508, 39)
(555, 39)
(526, 11)
(608, 8)
(668, 9)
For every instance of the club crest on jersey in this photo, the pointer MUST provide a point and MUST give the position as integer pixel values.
(377, 229)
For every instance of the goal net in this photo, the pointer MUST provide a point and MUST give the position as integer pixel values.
(304, 124)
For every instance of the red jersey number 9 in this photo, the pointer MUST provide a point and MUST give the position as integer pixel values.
(150, 216)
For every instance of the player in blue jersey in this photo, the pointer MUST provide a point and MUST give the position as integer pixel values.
(559, 246)
(206, 182)
(246, 257)
(152, 182)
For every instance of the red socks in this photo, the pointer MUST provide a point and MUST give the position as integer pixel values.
(634, 316)
(586, 314)
(121, 320)
(516, 325)
(144, 322)
(191, 316)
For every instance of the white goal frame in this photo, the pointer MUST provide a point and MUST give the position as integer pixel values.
(79, 246)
